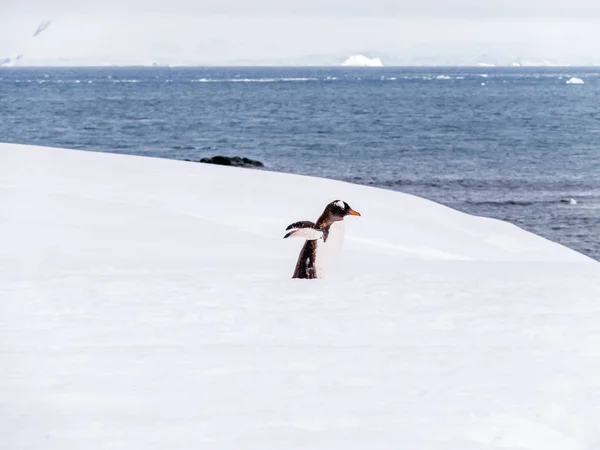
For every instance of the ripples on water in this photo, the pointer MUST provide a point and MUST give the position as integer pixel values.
(515, 144)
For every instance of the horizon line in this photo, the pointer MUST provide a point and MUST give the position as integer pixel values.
(235, 66)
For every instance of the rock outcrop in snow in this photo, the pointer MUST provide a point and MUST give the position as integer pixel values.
(236, 161)
(362, 61)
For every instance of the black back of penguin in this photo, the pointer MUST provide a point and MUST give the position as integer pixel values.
(306, 267)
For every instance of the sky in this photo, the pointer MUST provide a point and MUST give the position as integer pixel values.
(308, 32)
(318, 8)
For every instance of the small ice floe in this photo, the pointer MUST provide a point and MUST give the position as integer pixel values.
(575, 80)
(569, 201)
(443, 77)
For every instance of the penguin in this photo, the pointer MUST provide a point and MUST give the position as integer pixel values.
(323, 240)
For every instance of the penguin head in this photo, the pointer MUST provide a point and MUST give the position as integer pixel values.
(338, 209)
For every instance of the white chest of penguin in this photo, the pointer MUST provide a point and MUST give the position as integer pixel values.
(328, 252)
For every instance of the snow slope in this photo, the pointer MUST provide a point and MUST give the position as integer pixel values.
(147, 304)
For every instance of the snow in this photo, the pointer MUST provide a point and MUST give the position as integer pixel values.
(362, 61)
(575, 80)
(147, 304)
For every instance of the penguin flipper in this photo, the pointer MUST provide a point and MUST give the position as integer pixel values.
(304, 229)
(309, 234)
(301, 224)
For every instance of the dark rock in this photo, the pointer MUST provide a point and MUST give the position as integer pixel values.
(235, 161)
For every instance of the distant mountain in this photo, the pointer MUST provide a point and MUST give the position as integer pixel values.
(9, 61)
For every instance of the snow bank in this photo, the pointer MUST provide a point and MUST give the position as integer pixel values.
(147, 304)
(362, 61)
(575, 80)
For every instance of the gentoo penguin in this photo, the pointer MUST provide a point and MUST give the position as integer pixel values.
(323, 240)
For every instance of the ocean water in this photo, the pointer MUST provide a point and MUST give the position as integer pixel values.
(511, 143)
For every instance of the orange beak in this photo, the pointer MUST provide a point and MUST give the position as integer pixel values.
(353, 213)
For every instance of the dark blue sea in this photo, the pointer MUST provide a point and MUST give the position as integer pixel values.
(512, 143)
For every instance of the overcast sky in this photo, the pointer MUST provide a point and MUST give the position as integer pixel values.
(340, 8)
(301, 31)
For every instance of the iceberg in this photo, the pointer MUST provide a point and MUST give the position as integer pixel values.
(148, 304)
(362, 61)
(574, 80)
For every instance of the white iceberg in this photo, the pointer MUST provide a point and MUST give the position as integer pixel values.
(147, 304)
(575, 80)
(362, 61)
